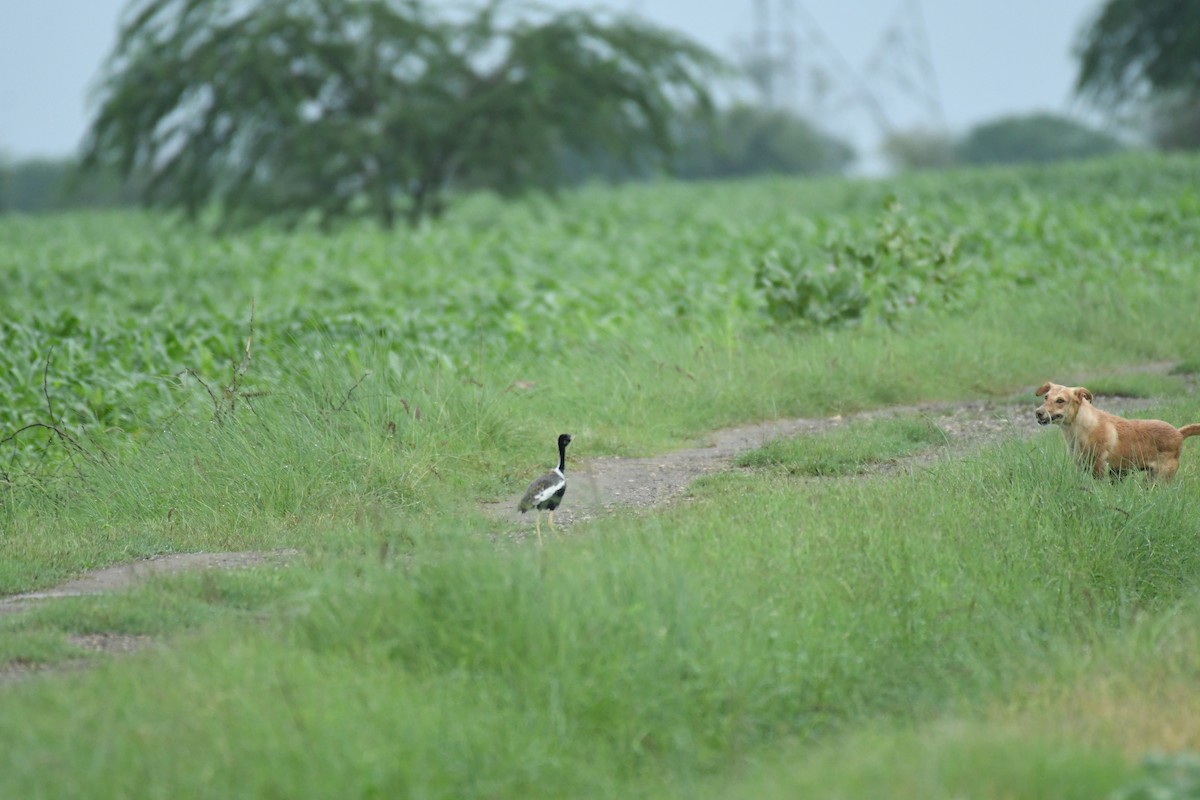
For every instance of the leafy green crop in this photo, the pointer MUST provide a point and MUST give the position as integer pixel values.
(113, 323)
(355, 396)
(894, 269)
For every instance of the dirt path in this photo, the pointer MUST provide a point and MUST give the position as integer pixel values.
(123, 576)
(603, 484)
(116, 579)
(598, 486)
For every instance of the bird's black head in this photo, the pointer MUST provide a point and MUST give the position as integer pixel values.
(564, 439)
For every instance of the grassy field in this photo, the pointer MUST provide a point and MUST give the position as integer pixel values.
(992, 626)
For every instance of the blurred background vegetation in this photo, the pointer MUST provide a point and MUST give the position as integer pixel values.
(299, 110)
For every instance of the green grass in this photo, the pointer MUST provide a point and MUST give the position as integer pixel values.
(654, 649)
(24, 644)
(154, 607)
(1113, 718)
(923, 634)
(289, 469)
(1138, 385)
(847, 450)
(942, 760)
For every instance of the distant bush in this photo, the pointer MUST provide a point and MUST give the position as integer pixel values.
(49, 184)
(919, 149)
(749, 140)
(1036, 138)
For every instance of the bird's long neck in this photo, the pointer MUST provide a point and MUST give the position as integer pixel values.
(562, 457)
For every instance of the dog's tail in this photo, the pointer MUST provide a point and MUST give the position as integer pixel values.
(1190, 430)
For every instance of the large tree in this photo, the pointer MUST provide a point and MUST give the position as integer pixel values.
(293, 108)
(1144, 55)
(1134, 46)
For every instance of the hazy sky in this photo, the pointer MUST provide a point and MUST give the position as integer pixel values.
(989, 57)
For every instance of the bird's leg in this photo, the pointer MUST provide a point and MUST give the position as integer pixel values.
(537, 526)
(551, 514)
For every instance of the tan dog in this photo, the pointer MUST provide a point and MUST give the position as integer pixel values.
(1101, 442)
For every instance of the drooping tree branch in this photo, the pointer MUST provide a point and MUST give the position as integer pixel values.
(296, 109)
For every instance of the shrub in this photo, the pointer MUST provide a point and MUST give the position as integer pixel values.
(873, 278)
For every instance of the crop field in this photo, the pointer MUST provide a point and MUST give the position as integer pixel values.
(989, 623)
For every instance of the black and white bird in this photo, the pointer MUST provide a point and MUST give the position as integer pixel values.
(546, 492)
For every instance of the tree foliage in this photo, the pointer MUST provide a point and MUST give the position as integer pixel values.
(1034, 138)
(1174, 120)
(1133, 47)
(1141, 60)
(289, 108)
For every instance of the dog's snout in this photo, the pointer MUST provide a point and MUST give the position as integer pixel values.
(1042, 417)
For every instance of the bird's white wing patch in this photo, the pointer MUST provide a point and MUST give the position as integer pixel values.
(548, 492)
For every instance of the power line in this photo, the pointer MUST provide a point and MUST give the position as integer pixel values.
(794, 64)
(903, 58)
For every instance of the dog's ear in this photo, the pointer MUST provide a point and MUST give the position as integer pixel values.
(1045, 387)
(1082, 394)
